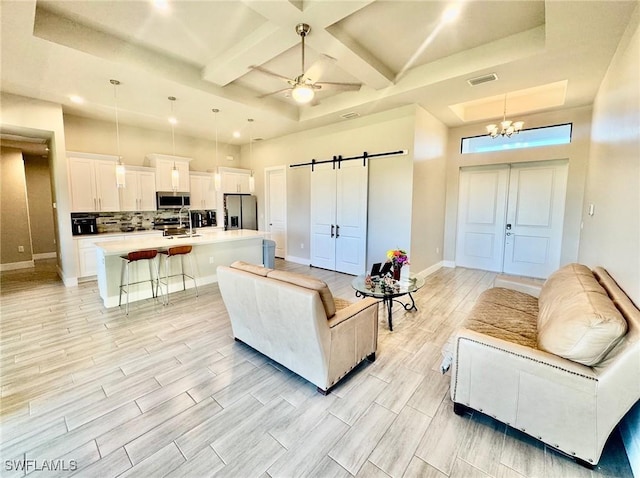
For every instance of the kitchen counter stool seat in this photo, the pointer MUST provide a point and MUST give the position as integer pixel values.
(168, 254)
(148, 255)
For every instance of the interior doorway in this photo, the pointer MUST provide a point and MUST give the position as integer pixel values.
(276, 207)
(510, 217)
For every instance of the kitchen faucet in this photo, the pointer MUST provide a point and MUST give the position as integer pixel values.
(189, 215)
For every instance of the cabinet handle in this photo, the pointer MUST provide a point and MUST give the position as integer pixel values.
(332, 234)
(337, 231)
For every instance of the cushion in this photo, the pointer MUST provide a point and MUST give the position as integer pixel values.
(505, 314)
(309, 283)
(564, 284)
(253, 268)
(577, 320)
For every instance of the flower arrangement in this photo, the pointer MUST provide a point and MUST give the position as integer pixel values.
(397, 257)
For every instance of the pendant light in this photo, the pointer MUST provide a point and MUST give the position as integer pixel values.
(217, 180)
(175, 174)
(120, 169)
(252, 181)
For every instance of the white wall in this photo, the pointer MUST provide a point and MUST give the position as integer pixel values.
(429, 192)
(390, 179)
(96, 136)
(577, 153)
(611, 237)
(33, 117)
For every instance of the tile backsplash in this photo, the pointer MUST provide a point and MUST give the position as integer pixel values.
(127, 221)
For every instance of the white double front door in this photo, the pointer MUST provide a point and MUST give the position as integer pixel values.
(339, 217)
(510, 217)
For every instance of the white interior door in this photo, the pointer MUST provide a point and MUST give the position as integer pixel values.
(510, 218)
(277, 208)
(323, 214)
(339, 217)
(481, 217)
(535, 217)
(351, 217)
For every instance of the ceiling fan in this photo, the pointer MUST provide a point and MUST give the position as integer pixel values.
(302, 87)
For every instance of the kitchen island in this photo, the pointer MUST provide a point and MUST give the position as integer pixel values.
(210, 249)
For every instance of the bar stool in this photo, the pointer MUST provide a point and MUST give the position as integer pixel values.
(135, 256)
(180, 251)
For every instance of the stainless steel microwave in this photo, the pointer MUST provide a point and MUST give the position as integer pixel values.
(172, 200)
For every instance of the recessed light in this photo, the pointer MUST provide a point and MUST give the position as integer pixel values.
(172, 120)
(162, 5)
(76, 99)
(452, 13)
(236, 134)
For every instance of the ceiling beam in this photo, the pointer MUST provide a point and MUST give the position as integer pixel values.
(277, 35)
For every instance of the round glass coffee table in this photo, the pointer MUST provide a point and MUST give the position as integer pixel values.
(389, 293)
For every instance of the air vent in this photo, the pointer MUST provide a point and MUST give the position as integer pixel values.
(350, 115)
(482, 79)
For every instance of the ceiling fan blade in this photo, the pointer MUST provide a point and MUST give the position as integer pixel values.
(341, 86)
(270, 73)
(274, 92)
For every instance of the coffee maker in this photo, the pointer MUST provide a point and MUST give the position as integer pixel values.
(210, 218)
(196, 219)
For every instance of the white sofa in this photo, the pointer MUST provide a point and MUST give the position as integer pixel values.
(563, 367)
(294, 320)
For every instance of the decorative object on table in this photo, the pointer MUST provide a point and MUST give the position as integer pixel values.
(397, 258)
(368, 282)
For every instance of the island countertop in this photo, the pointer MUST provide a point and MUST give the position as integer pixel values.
(210, 250)
(208, 237)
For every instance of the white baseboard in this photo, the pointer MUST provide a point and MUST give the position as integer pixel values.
(298, 260)
(449, 264)
(430, 270)
(12, 266)
(66, 280)
(45, 255)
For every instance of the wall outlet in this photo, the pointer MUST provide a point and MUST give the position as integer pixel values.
(211, 260)
(302, 245)
(20, 248)
(437, 250)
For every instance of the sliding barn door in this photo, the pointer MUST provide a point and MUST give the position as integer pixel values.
(339, 217)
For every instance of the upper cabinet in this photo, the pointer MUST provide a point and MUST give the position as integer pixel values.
(93, 182)
(164, 164)
(139, 193)
(203, 193)
(235, 180)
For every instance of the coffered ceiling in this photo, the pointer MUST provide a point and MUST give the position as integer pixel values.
(546, 55)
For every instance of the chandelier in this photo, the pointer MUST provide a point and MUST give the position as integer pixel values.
(507, 127)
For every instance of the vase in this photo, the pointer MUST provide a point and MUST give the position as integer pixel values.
(396, 271)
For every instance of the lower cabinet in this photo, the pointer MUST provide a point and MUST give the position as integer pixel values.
(86, 250)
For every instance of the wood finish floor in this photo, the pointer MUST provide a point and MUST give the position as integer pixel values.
(167, 392)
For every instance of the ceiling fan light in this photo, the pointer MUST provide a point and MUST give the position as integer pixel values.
(302, 93)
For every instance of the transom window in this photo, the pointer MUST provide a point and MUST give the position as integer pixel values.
(528, 138)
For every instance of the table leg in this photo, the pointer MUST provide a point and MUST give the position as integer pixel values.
(389, 304)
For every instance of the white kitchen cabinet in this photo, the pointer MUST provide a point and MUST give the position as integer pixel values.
(139, 193)
(235, 180)
(93, 182)
(203, 193)
(163, 164)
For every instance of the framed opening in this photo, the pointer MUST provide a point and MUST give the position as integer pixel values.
(528, 138)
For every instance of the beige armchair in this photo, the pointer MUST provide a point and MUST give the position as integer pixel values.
(294, 320)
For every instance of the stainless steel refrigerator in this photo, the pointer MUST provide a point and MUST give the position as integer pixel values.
(240, 212)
